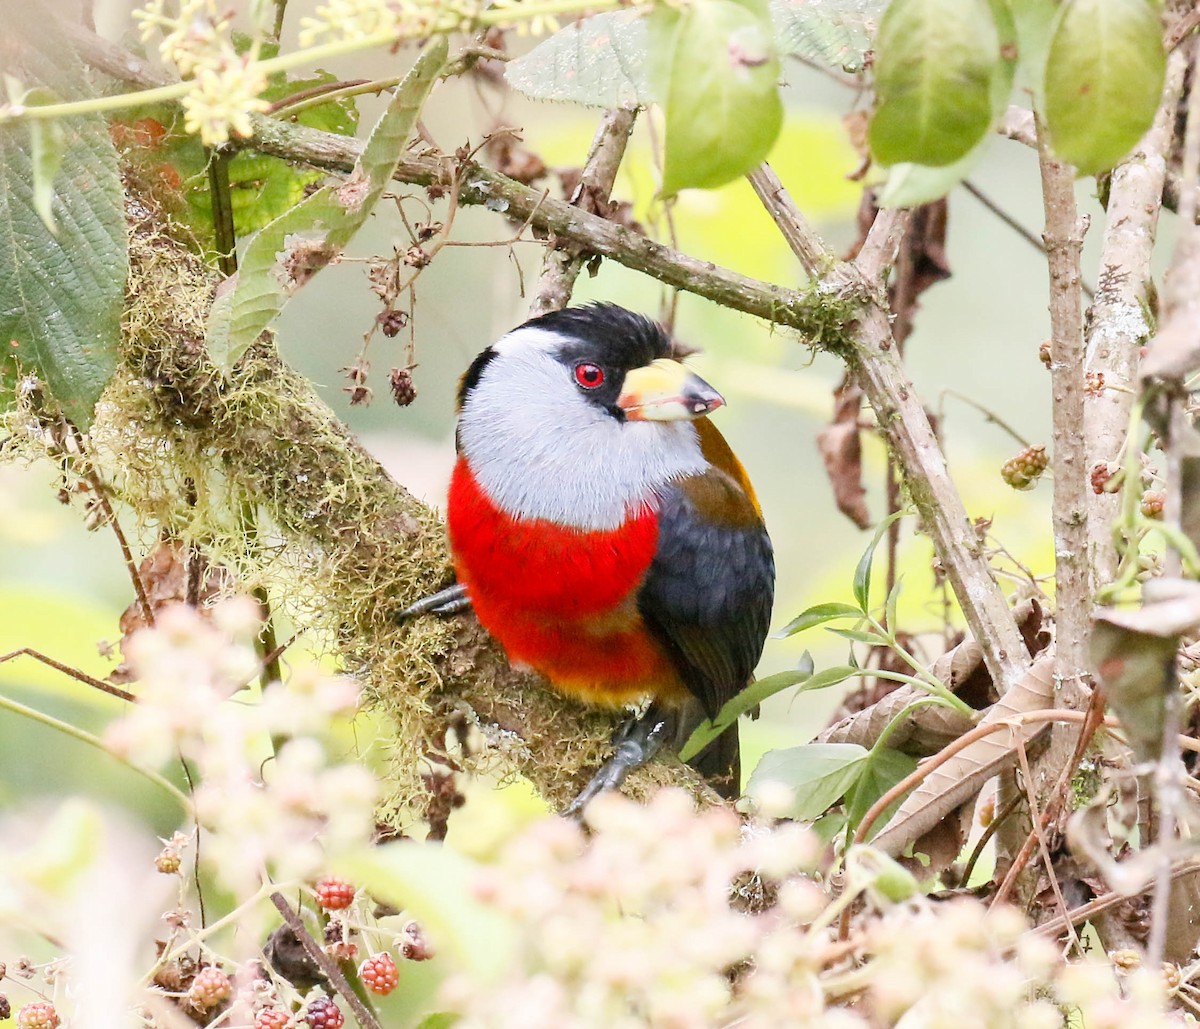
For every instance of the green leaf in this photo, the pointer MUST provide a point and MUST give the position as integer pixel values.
(934, 77)
(47, 142)
(883, 768)
(818, 774)
(1034, 22)
(860, 636)
(1104, 79)
(750, 697)
(716, 75)
(61, 295)
(818, 614)
(862, 574)
(434, 883)
(290, 250)
(599, 61)
(830, 677)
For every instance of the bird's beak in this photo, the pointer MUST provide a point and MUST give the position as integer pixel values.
(666, 391)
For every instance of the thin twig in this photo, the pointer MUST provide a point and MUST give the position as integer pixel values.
(101, 491)
(562, 264)
(74, 673)
(1167, 772)
(224, 233)
(1023, 759)
(1084, 912)
(883, 240)
(364, 1015)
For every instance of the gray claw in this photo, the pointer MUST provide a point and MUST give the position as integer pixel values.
(637, 746)
(445, 602)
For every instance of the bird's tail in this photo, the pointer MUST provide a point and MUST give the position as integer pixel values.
(721, 764)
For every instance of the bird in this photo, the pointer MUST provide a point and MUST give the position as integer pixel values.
(604, 532)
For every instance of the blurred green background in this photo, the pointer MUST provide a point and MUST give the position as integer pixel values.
(62, 589)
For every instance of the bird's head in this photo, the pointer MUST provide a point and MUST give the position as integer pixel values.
(599, 359)
(580, 416)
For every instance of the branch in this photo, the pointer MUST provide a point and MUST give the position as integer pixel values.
(1120, 322)
(819, 319)
(562, 264)
(898, 410)
(1064, 241)
(815, 257)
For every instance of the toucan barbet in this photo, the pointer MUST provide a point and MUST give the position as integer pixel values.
(605, 533)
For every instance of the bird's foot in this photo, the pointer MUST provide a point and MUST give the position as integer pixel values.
(637, 741)
(449, 601)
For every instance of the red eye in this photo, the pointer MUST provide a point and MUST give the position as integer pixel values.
(589, 375)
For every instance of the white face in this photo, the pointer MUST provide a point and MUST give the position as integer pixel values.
(541, 449)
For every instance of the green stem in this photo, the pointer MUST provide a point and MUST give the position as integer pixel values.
(287, 110)
(935, 689)
(907, 710)
(94, 741)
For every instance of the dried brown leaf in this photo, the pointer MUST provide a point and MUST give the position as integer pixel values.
(962, 776)
(840, 446)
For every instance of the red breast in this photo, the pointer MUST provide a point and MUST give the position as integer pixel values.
(561, 600)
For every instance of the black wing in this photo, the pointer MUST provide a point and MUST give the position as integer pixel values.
(707, 595)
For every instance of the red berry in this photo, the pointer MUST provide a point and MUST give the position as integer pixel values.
(210, 987)
(333, 893)
(272, 1018)
(323, 1013)
(379, 973)
(39, 1014)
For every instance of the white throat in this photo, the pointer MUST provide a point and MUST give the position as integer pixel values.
(540, 450)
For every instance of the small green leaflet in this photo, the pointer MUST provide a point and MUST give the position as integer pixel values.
(1104, 79)
(935, 65)
(818, 614)
(716, 75)
(285, 254)
(751, 696)
(881, 771)
(862, 574)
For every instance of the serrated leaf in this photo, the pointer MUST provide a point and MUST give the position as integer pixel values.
(935, 65)
(750, 697)
(862, 573)
(818, 614)
(881, 771)
(60, 295)
(1103, 81)
(835, 32)
(716, 75)
(601, 61)
(285, 254)
(818, 774)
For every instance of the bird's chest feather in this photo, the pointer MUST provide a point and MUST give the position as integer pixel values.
(533, 567)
